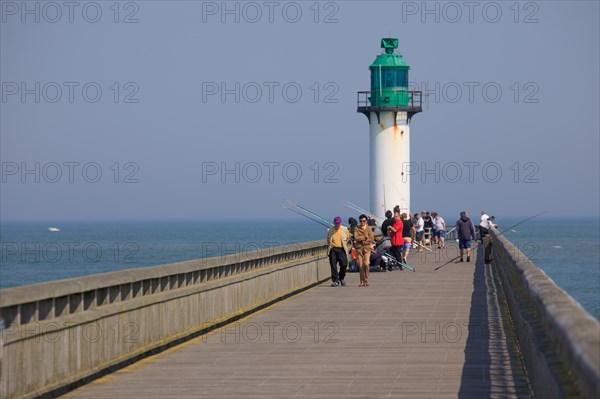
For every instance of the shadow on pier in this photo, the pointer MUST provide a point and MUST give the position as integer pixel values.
(492, 367)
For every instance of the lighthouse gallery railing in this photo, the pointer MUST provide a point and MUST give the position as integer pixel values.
(415, 98)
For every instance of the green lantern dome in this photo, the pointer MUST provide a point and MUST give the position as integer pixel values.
(389, 77)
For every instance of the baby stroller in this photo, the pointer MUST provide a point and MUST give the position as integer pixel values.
(376, 262)
(382, 247)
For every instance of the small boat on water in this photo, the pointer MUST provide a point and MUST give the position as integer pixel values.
(53, 229)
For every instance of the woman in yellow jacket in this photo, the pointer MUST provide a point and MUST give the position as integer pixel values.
(363, 239)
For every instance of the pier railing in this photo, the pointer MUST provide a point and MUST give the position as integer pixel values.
(63, 333)
(559, 340)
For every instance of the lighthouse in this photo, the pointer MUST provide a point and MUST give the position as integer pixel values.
(389, 106)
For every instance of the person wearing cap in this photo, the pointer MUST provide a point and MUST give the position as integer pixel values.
(483, 225)
(338, 239)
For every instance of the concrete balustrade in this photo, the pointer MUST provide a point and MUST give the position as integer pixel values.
(60, 334)
(559, 340)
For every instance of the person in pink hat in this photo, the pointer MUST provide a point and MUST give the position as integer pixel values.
(338, 239)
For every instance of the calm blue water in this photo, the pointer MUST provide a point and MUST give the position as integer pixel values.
(30, 253)
(567, 250)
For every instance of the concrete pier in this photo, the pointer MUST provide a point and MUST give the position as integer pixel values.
(405, 336)
(256, 328)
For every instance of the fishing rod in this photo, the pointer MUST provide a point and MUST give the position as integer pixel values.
(311, 212)
(306, 216)
(402, 263)
(501, 233)
(359, 209)
(515, 225)
(421, 245)
(353, 208)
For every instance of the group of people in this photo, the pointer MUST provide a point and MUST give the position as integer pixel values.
(341, 241)
(430, 222)
(404, 231)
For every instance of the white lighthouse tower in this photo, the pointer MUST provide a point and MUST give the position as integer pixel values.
(389, 106)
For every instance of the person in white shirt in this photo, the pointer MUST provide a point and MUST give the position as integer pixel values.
(420, 226)
(483, 225)
(440, 230)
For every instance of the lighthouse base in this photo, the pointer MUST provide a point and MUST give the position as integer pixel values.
(390, 156)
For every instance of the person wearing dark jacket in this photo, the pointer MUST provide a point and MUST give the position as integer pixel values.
(352, 223)
(389, 221)
(428, 226)
(465, 231)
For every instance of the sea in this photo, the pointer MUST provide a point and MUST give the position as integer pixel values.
(568, 250)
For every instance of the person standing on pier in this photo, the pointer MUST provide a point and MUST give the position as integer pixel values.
(338, 238)
(483, 225)
(465, 231)
(419, 226)
(389, 220)
(395, 232)
(363, 238)
(428, 226)
(440, 230)
(352, 223)
(408, 231)
(433, 232)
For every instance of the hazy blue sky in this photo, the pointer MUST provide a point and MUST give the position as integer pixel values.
(117, 110)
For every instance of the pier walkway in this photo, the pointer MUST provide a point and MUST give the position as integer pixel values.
(429, 334)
